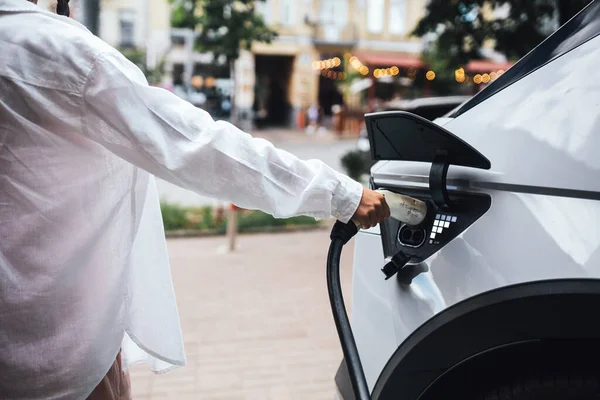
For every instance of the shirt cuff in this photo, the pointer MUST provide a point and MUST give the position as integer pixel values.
(346, 198)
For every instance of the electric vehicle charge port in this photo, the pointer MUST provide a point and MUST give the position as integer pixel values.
(411, 236)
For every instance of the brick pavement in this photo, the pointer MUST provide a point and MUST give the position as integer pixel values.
(256, 323)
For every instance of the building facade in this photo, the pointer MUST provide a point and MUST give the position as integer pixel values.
(320, 42)
(372, 33)
(275, 82)
(141, 24)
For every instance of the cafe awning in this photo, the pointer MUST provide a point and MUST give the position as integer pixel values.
(399, 60)
(486, 66)
(403, 60)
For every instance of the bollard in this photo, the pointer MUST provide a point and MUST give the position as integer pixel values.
(232, 227)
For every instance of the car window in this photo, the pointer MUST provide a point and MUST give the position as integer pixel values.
(581, 28)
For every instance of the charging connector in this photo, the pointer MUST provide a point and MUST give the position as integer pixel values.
(409, 236)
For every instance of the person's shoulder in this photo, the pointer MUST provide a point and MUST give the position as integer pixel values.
(73, 38)
(68, 44)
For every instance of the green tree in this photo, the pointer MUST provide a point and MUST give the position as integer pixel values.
(514, 27)
(225, 27)
(184, 14)
(138, 57)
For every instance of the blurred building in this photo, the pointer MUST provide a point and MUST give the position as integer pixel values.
(364, 33)
(278, 80)
(320, 42)
(134, 24)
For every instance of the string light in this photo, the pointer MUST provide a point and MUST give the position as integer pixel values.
(326, 64)
(459, 75)
(334, 75)
(358, 66)
(486, 78)
(386, 72)
(197, 81)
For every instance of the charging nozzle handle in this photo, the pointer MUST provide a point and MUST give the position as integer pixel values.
(343, 232)
(340, 235)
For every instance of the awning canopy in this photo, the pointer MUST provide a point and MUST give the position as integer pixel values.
(402, 60)
(486, 66)
(390, 59)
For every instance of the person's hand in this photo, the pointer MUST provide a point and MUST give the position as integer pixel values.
(372, 209)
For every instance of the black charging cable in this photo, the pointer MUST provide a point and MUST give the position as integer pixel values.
(340, 235)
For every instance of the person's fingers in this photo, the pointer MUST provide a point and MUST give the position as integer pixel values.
(373, 209)
(373, 219)
(386, 209)
(380, 210)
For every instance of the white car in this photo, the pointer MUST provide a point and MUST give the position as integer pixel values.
(500, 299)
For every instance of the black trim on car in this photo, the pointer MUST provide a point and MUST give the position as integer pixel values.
(466, 185)
(580, 29)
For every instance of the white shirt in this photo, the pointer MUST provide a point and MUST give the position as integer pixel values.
(83, 260)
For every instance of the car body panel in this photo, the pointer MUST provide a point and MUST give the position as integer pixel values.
(522, 238)
(549, 137)
(375, 335)
(542, 136)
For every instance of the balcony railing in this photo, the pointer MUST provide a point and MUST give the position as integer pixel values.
(330, 34)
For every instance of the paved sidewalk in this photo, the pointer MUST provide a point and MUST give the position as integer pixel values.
(256, 323)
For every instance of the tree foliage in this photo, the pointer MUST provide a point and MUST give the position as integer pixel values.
(183, 14)
(513, 27)
(138, 57)
(224, 26)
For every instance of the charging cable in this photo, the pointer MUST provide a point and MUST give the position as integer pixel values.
(404, 208)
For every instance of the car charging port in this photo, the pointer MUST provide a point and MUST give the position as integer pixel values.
(410, 236)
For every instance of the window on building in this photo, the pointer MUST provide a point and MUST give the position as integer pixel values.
(287, 9)
(375, 15)
(264, 8)
(127, 26)
(334, 13)
(397, 17)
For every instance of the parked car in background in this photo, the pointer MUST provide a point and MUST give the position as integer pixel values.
(427, 107)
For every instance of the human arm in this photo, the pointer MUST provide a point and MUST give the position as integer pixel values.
(170, 138)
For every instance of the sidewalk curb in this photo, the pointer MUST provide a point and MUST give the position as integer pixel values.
(192, 233)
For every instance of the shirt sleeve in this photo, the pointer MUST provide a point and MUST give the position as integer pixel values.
(180, 143)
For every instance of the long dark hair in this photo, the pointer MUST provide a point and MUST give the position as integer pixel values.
(62, 8)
